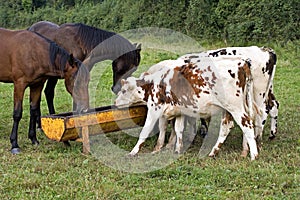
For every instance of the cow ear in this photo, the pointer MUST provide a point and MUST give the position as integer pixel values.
(71, 60)
(123, 81)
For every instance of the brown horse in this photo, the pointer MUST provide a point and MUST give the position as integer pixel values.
(28, 60)
(90, 45)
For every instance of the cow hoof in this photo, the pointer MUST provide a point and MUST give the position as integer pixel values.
(15, 151)
(244, 153)
(132, 155)
(272, 137)
(155, 151)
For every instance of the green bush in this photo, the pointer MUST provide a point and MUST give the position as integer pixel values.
(229, 21)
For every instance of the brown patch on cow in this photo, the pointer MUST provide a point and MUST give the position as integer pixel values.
(243, 73)
(186, 83)
(228, 118)
(214, 78)
(219, 145)
(209, 68)
(246, 121)
(147, 87)
(271, 99)
(231, 74)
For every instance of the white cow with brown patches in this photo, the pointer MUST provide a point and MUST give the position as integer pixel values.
(196, 91)
(263, 65)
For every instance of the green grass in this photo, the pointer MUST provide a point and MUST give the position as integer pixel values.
(53, 171)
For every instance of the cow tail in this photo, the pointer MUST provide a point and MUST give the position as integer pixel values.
(272, 61)
(249, 96)
(248, 91)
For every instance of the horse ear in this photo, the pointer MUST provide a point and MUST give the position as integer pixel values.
(138, 46)
(71, 59)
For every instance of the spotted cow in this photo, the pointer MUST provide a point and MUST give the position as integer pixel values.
(195, 90)
(263, 65)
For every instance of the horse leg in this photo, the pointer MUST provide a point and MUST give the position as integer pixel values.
(38, 118)
(17, 115)
(35, 97)
(49, 92)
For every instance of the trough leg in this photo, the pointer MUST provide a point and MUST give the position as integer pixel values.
(86, 149)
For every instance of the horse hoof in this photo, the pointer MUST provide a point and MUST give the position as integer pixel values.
(15, 151)
(35, 143)
(66, 143)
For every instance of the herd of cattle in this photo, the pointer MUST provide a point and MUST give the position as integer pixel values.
(237, 81)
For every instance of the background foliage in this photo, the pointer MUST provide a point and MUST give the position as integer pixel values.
(231, 21)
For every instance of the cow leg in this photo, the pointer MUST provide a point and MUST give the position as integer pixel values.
(226, 125)
(192, 128)
(49, 92)
(152, 117)
(179, 127)
(163, 122)
(246, 124)
(172, 138)
(19, 89)
(274, 115)
(258, 131)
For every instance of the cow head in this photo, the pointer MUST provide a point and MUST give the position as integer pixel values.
(130, 93)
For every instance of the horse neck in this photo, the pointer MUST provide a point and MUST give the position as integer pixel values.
(109, 49)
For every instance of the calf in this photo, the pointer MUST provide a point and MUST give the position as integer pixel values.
(196, 90)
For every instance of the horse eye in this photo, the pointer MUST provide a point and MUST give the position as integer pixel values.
(139, 92)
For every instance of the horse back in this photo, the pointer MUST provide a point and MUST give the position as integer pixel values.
(22, 54)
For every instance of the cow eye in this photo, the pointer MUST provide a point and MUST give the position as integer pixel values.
(139, 92)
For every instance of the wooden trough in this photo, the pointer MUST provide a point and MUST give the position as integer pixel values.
(66, 126)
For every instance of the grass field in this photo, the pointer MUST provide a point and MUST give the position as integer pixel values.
(53, 171)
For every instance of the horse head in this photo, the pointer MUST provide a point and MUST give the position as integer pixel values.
(124, 66)
(77, 79)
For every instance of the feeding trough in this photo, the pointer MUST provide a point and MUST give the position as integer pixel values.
(67, 126)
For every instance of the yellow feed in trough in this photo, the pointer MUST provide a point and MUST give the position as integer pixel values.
(66, 126)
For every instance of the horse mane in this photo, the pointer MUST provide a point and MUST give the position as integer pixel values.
(55, 50)
(90, 36)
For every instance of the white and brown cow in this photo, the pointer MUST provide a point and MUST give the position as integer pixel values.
(263, 65)
(195, 90)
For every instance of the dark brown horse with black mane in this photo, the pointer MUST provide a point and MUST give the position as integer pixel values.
(28, 60)
(91, 45)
